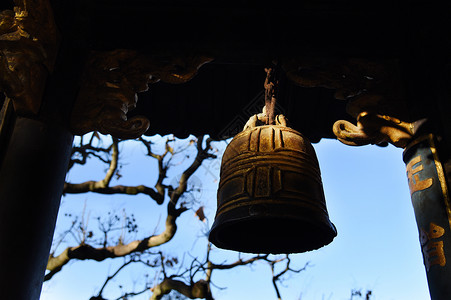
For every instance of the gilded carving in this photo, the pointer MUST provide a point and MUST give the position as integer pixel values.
(110, 83)
(374, 128)
(415, 184)
(372, 94)
(28, 47)
(433, 252)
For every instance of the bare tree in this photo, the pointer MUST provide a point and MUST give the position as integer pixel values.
(358, 294)
(190, 277)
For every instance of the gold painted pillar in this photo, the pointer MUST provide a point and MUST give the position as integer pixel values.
(431, 203)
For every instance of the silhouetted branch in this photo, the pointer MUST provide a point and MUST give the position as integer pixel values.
(277, 277)
(86, 251)
(86, 150)
(92, 186)
(202, 288)
(102, 186)
(199, 289)
(237, 263)
(113, 275)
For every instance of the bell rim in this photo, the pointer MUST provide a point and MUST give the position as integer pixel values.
(324, 226)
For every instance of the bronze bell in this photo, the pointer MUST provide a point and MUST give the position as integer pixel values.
(270, 196)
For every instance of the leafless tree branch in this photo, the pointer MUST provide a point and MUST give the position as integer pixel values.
(85, 251)
(277, 277)
(103, 186)
(199, 289)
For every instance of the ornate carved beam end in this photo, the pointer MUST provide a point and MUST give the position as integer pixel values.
(374, 128)
(103, 106)
(177, 70)
(111, 81)
(29, 42)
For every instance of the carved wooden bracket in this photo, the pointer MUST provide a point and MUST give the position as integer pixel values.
(349, 77)
(367, 85)
(373, 128)
(28, 47)
(373, 92)
(110, 83)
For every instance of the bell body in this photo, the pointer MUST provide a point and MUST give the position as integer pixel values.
(270, 196)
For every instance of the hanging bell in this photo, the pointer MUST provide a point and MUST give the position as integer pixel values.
(270, 196)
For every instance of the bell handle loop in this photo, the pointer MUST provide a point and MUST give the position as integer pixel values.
(261, 118)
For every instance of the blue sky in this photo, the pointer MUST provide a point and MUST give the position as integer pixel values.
(368, 200)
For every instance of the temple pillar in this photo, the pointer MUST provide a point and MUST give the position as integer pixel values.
(32, 173)
(35, 148)
(430, 200)
(426, 138)
(432, 204)
(428, 160)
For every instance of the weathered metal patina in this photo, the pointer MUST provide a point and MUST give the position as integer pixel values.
(430, 200)
(270, 196)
